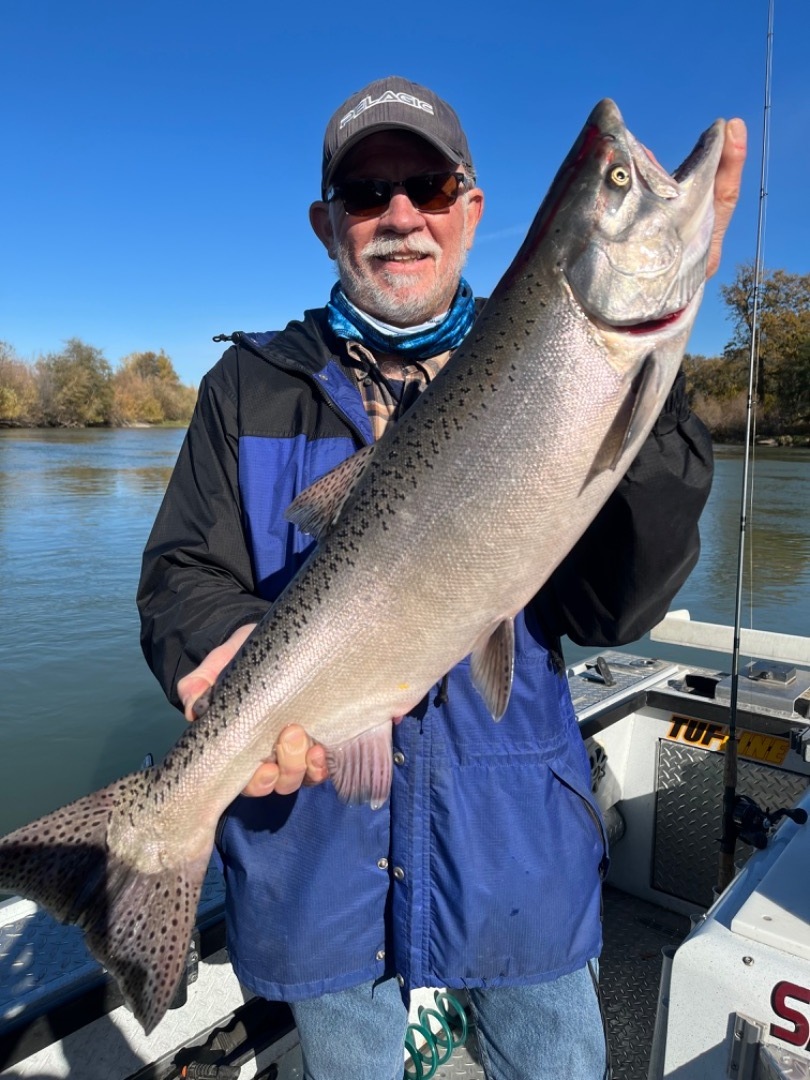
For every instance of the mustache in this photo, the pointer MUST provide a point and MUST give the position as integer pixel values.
(386, 246)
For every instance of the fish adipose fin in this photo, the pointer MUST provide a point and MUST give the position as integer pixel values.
(137, 925)
(361, 768)
(634, 416)
(318, 507)
(492, 666)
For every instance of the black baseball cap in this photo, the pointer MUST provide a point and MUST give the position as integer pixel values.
(393, 102)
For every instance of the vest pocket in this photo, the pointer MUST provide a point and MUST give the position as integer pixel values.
(593, 814)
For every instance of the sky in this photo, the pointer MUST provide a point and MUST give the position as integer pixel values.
(159, 158)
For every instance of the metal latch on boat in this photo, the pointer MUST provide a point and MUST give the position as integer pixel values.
(770, 685)
(751, 1058)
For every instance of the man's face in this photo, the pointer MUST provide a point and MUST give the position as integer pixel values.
(403, 266)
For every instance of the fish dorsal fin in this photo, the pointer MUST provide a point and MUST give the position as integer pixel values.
(492, 665)
(361, 768)
(633, 416)
(316, 509)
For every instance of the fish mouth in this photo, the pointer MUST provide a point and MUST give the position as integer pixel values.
(661, 322)
(649, 326)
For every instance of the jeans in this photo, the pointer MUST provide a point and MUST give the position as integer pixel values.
(548, 1031)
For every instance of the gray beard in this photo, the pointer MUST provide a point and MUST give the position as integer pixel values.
(391, 303)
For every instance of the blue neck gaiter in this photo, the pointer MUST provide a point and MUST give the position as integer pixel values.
(347, 322)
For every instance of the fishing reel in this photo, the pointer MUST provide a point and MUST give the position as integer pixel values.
(427, 1049)
(752, 824)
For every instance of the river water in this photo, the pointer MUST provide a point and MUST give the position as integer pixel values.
(78, 706)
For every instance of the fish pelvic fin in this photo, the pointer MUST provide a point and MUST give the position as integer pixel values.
(137, 925)
(492, 666)
(361, 768)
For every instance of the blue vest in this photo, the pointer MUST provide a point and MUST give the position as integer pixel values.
(483, 868)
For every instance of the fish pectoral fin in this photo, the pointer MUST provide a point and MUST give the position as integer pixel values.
(361, 768)
(492, 666)
(317, 508)
(137, 925)
(632, 418)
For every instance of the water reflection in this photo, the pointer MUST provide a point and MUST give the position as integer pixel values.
(84, 480)
(79, 706)
(776, 580)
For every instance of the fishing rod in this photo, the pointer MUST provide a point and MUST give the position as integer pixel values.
(728, 841)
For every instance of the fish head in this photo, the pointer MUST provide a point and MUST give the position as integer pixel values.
(638, 263)
(621, 247)
(627, 242)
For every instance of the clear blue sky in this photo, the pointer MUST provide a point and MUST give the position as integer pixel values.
(159, 158)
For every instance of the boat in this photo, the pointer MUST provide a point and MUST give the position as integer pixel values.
(698, 982)
(702, 774)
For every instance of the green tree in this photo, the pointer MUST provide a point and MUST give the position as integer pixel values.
(717, 387)
(18, 389)
(152, 365)
(75, 386)
(783, 374)
(147, 390)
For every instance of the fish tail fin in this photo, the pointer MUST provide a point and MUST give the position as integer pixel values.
(136, 924)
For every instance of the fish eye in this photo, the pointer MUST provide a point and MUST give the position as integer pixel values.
(619, 176)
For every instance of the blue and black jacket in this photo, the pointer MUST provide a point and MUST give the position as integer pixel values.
(484, 868)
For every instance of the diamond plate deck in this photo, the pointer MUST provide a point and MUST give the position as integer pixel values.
(630, 974)
(688, 825)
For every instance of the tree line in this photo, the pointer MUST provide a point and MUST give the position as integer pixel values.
(78, 387)
(718, 386)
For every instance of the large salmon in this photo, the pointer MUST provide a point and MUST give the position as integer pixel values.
(430, 542)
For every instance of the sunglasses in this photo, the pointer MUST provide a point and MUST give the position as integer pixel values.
(430, 193)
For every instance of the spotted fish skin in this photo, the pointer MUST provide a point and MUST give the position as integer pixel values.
(429, 543)
(136, 924)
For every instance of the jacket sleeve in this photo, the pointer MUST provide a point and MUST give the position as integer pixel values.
(622, 575)
(197, 583)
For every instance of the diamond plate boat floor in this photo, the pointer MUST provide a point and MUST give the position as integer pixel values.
(630, 974)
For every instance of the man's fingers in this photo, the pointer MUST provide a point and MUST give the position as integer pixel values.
(317, 771)
(298, 761)
(727, 186)
(291, 755)
(263, 781)
(202, 678)
(189, 689)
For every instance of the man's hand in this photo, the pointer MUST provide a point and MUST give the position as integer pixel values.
(727, 187)
(299, 759)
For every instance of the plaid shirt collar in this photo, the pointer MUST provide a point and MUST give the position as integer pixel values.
(386, 398)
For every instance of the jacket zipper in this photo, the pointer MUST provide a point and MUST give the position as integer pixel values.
(595, 818)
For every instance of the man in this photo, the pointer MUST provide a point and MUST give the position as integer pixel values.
(484, 869)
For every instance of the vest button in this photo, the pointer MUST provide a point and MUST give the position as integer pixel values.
(400, 980)
(399, 873)
(399, 757)
(382, 863)
(380, 954)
